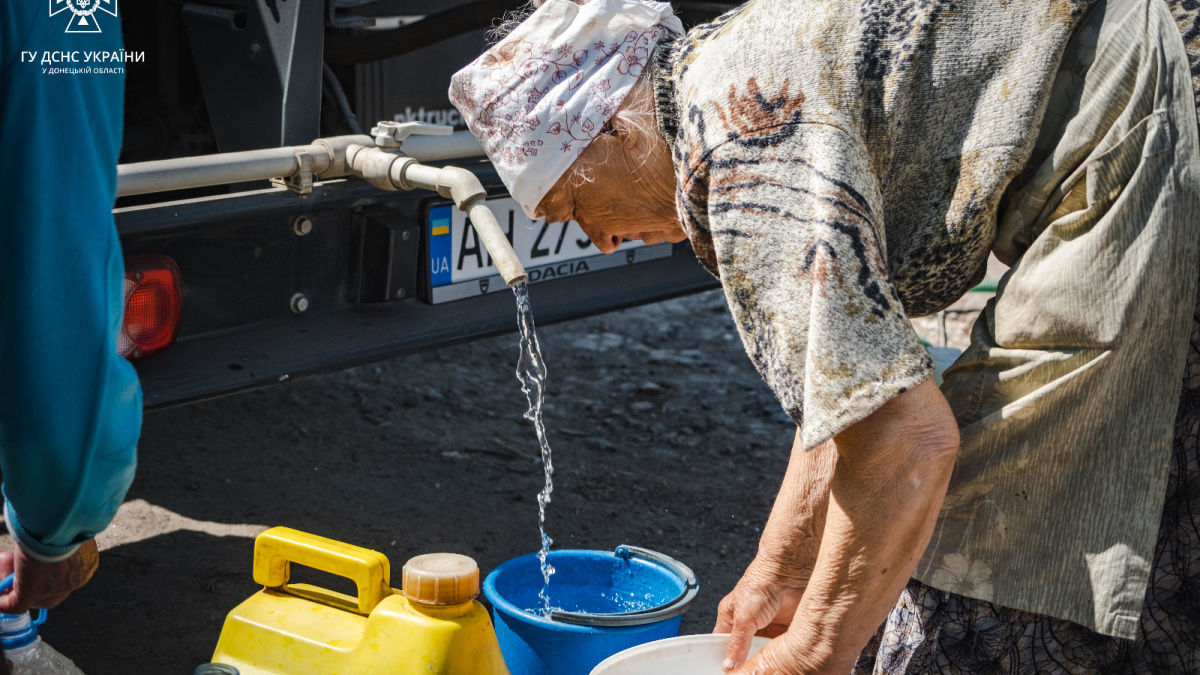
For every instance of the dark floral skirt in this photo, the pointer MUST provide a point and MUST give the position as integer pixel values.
(932, 631)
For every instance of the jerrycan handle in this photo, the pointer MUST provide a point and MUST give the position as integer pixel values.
(276, 548)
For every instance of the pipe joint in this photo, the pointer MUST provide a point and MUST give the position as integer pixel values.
(337, 151)
(372, 165)
(460, 185)
(399, 173)
(392, 171)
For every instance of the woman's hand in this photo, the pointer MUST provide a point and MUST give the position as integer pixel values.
(762, 603)
(766, 597)
(887, 489)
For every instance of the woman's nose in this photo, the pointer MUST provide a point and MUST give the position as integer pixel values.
(606, 243)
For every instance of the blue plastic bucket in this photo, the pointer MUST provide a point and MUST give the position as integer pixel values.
(606, 602)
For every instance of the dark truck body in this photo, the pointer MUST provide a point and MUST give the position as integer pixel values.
(228, 76)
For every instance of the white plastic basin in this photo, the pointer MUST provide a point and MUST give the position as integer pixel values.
(687, 655)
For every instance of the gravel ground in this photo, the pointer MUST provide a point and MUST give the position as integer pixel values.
(664, 436)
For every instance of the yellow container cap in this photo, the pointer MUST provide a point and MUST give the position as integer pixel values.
(441, 579)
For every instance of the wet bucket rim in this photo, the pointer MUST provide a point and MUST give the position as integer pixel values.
(502, 604)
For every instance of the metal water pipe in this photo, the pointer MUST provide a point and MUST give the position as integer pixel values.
(378, 159)
(384, 166)
(239, 167)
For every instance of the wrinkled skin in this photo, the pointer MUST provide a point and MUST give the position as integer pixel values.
(851, 520)
(45, 585)
(624, 188)
(767, 596)
(42, 584)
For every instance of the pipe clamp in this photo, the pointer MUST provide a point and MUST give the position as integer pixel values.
(301, 181)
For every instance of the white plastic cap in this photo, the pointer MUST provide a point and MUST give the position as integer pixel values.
(14, 623)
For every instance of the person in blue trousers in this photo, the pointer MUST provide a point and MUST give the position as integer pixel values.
(70, 407)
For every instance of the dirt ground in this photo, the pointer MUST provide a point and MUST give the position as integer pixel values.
(664, 436)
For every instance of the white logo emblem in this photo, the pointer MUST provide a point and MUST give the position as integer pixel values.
(83, 19)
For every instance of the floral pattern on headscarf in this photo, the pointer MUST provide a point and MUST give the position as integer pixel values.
(541, 95)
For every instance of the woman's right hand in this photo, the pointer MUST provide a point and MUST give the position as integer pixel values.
(763, 603)
(765, 599)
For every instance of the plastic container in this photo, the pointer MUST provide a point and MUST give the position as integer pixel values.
(434, 626)
(28, 653)
(688, 655)
(606, 603)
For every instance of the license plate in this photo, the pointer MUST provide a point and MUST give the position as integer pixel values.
(460, 267)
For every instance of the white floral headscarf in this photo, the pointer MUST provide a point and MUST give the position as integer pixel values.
(539, 96)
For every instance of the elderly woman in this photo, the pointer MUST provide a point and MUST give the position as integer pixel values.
(842, 166)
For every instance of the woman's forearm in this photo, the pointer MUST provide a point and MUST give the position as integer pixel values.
(792, 535)
(887, 488)
(766, 597)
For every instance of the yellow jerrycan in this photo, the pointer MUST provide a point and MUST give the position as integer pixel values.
(433, 627)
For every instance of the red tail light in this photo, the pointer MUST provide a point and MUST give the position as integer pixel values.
(153, 304)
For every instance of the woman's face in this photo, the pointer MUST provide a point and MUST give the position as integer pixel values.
(625, 189)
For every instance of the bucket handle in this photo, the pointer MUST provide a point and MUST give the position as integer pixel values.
(667, 610)
(278, 547)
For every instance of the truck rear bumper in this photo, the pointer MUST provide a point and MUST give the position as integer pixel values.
(241, 262)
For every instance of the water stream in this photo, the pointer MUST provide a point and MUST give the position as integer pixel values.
(531, 371)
